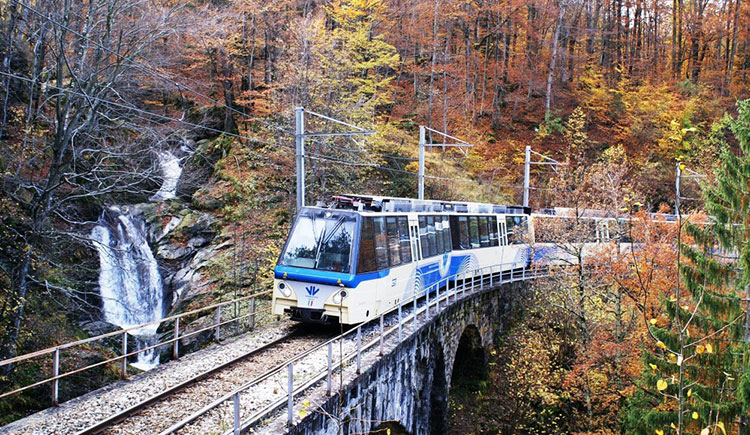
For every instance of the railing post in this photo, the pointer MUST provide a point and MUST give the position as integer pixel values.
(359, 349)
(400, 337)
(218, 323)
(290, 390)
(55, 373)
(237, 413)
(330, 368)
(176, 345)
(124, 370)
(252, 313)
(382, 331)
(415, 309)
(437, 299)
(427, 304)
(236, 318)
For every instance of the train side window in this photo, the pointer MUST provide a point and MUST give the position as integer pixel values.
(431, 236)
(366, 262)
(492, 221)
(523, 228)
(381, 242)
(510, 228)
(484, 234)
(474, 231)
(463, 224)
(394, 248)
(423, 237)
(446, 234)
(403, 231)
(439, 245)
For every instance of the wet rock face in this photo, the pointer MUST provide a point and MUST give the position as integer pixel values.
(184, 241)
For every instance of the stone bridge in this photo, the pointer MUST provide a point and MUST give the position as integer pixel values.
(407, 388)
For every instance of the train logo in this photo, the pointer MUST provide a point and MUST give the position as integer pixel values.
(312, 290)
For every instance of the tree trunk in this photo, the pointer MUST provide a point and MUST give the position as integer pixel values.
(552, 62)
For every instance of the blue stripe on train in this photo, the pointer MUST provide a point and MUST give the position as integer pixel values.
(325, 277)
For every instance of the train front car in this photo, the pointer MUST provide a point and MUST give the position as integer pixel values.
(315, 268)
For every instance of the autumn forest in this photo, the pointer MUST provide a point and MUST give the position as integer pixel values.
(619, 94)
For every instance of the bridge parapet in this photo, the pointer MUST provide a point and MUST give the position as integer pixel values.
(408, 386)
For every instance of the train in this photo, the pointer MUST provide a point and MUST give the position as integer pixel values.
(356, 257)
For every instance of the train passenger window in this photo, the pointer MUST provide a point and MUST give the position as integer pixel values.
(366, 261)
(403, 232)
(440, 247)
(474, 231)
(484, 234)
(381, 242)
(510, 225)
(492, 222)
(424, 237)
(446, 234)
(463, 223)
(432, 246)
(394, 247)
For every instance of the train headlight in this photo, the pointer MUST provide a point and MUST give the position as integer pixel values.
(285, 290)
(339, 297)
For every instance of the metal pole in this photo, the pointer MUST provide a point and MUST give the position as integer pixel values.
(252, 316)
(218, 323)
(236, 413)
(176, 346)
(400, 336)
(422, 142)
(526, 175)
(55, 373)
(330, 368)
(290, 390)
(359, 349)
(415, 309)
(382, 331)
(124, 370)
(678, 173)
(299, 121)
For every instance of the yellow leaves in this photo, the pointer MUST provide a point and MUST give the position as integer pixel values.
(720, 425)
(659, 432)
(660, 344)
(690, 392)
(302, 413)
(653, 366)
(306, 403)
(673, 426)
(700, 349)
(661, 385)
(705, 431)
(709, 348)
(694, 415)
(652, 322)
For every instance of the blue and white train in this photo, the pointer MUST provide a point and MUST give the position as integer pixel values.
(360, 256)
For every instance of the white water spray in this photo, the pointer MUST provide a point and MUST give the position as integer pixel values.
(129, 280)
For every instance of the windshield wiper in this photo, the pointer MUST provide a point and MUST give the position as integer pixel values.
(324, 240)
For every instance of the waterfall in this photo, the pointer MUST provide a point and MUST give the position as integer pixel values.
(129, 280)
(171, 172)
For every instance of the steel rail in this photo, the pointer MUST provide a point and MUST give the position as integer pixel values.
(120, 416)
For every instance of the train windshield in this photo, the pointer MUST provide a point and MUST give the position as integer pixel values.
(321, 239)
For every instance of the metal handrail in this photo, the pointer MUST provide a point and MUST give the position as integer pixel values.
(123, 332)
(439, 300)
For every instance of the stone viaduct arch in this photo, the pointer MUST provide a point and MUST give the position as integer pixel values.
(407, 388)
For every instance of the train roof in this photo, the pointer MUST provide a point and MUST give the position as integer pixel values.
(388, 204)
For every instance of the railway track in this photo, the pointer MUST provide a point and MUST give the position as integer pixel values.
(158, 411)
